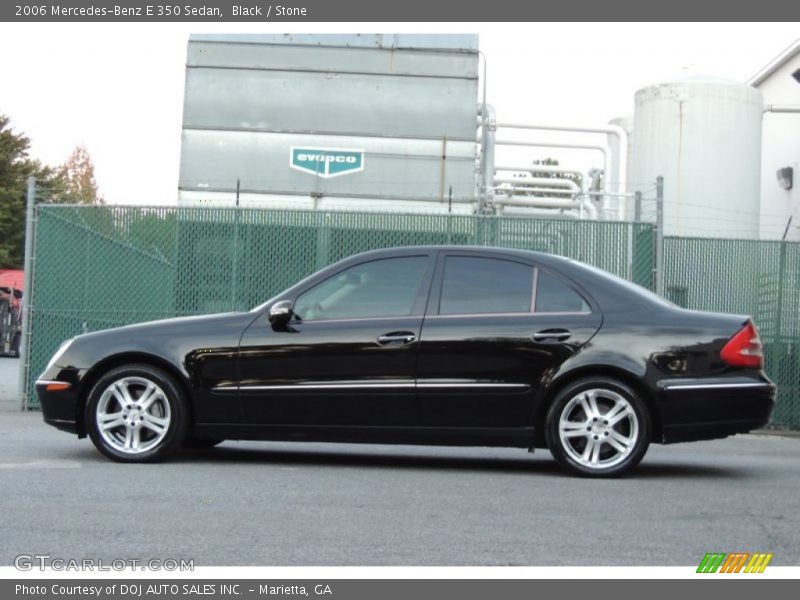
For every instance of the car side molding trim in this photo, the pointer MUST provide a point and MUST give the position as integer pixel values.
(315, 386)
(444, 384)
(709, 386)
(367, 385)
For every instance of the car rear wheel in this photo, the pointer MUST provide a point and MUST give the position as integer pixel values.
(598, 427)
(137, 413)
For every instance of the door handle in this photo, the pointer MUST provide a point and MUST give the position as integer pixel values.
(557, 335)
(404, 337)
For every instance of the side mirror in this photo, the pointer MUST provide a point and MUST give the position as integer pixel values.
(280, 314)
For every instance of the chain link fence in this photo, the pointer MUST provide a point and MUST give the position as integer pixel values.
(760, 278)
(101, 266)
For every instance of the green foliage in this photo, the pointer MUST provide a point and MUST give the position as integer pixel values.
(72, 182)
(76, 176)
(15, 166)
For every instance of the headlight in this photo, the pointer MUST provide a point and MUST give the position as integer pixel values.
(59, 353)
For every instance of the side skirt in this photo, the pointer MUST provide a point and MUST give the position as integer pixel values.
(522, 437)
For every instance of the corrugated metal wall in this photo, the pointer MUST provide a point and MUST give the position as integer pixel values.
(409, 103)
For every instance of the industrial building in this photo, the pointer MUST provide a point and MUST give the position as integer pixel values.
(399, 123)
(779, 84)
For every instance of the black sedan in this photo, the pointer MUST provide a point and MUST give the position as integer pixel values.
(423, 345)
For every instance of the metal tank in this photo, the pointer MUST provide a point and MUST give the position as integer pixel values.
(703, 136)
(375, 122)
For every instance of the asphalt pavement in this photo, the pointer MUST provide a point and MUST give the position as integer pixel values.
(249, 503)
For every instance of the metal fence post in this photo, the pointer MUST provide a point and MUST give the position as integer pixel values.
(659, 258)
(637, 207)
(24, 347)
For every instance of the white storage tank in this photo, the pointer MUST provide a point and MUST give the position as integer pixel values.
(703, 135)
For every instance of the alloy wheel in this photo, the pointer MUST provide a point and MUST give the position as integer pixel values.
(133, 415)
(598, 428)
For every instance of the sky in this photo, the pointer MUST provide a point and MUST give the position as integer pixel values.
(118, 88)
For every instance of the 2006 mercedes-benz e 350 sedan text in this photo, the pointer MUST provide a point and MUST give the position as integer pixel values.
(423, 345)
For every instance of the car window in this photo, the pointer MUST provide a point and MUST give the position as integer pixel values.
(473, 285)
(553, 295)
(380, 288)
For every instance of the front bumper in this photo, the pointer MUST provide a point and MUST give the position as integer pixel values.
(59, 407)
(711, 408)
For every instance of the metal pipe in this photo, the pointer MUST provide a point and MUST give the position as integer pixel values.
(537, 190)
(543, 212)
(541, 169)
(27, 293)
(607, 162)
(781, 108)
(487, 145)
(609, 129)
(659, 279)
(546, 181)
(534, 202)
(443, 169)
(537, 202)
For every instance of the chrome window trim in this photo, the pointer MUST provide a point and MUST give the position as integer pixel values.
(509, 314)
(351, 319)
(534, 289)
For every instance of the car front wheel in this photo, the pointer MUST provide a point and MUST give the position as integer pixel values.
(598, 427)
(137, 413)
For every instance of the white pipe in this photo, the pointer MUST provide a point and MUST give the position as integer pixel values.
(540, 169)
(536, 190)
(554, 169)
(781, 108)
(550, 213)
(609, 129)
(488, 128)
(607, 162)
(547, 203)
(545, 181)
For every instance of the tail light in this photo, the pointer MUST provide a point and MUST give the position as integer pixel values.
(744, 349)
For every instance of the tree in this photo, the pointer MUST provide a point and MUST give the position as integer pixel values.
(76, 176)
(15, 166)
(71, 182)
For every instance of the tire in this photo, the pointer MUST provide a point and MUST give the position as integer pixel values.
(137, 413)
(15, 346)
(193, 443)
(582, 438)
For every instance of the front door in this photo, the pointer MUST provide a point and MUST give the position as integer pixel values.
(348, 358)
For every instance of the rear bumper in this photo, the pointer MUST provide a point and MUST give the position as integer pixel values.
(59, 408)
(711, 408)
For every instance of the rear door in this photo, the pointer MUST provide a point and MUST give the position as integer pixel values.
(496, 327)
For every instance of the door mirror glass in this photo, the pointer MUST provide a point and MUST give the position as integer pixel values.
(280, 313)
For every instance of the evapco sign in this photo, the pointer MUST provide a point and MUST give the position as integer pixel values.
(326, 162)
